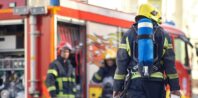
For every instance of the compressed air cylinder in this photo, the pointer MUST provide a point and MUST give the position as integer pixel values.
(54, 2)
(145, 43)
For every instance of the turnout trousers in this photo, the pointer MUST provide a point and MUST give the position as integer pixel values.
(146, 88)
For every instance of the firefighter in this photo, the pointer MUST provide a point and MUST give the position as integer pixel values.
(104, 75)
(61, 74)
(154, 85)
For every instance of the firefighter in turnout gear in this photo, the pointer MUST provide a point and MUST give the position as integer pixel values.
(154, 85)
(105, 74)
(60, 80)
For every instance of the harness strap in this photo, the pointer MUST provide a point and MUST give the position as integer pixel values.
(157, 67)
(145, 36)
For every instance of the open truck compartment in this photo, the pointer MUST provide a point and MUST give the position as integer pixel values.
(12, 61)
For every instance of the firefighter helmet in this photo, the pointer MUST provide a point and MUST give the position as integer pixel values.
(146, 10)
(63, 46)
(110, 54)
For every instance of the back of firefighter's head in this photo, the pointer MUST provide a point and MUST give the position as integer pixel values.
(110, 58)
(148, 11)
(64, 50)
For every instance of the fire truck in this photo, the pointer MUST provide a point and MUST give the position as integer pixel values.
(89, 29)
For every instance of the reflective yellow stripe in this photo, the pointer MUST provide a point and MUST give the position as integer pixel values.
(135, 75)
(60, 83)
(128, 46)
(52, 71)
(153, 75)
(166, 46)
(66, 96)
(122, 46)
(165, 43)
(60, 93)
(157, 75)
(119, 77)
(68, 79)
(74, 89)
(172, 76)
(51, 88)
(98, 77)
(169, 46)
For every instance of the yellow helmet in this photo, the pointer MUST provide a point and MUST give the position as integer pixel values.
(149, 11)
(110, 54)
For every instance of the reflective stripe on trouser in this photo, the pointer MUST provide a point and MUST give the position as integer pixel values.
(65, 96)
(64, 79)
(60, 85)
(153, 75)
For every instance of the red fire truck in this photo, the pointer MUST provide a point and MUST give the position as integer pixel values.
(90, 29)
